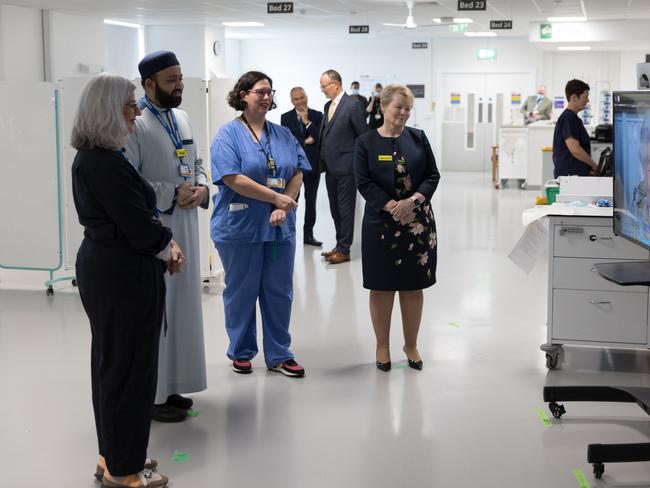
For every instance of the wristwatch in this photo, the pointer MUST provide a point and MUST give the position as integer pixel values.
(416, 202)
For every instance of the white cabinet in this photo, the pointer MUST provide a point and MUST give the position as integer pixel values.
(583, 307)
(513, 153)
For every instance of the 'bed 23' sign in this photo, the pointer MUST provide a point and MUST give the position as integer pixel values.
(472, 4)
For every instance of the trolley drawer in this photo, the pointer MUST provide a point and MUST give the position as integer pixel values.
(600, 316)
(580, 274)
(593, 242)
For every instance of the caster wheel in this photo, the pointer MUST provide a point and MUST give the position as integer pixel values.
(523, 185)
(599, 469)
(74, 282)
(50, 291)
(556, 409)
(552, 360)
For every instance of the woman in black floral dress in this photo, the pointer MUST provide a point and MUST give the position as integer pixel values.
(396, 174)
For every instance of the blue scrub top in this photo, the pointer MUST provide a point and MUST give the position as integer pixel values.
(235, 152)
(565, 164)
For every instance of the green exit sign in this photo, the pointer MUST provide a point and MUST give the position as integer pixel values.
(545, 31)
(485, 54)
(458, 28)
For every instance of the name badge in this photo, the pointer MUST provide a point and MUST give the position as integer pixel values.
(185, 170)
(385, 157)
(181, 153)
(235, 207)
(275, 183)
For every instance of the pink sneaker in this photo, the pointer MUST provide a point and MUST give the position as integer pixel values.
(289, 368)
(242, 366)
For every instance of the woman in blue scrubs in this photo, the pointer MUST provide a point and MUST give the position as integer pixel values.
(258, 166)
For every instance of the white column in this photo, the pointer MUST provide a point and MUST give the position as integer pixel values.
(193, 44)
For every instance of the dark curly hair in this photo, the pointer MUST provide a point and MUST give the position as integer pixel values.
(245, 83)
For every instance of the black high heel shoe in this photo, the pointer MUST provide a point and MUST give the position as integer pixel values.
(415, 364)
(384, 366)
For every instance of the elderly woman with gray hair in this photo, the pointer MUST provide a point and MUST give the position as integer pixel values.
(120, 266)
(396, 174)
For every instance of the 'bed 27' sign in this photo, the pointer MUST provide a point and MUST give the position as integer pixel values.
(279, 8)
(472, 4)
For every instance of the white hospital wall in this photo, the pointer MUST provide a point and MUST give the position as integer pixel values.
(122, 50)
(21, 44)
(294, 62)
(627, 69)
(72, 41)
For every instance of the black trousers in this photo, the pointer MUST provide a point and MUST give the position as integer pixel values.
(342, 194)
(311, 181)
(123, 294)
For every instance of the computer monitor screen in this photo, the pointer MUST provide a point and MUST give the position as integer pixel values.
(632, 166)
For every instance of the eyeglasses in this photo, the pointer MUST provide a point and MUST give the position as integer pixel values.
(322, 87)
(262, 92)
(132, 105)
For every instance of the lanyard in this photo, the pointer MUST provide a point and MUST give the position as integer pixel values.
(172, 132)
(270, 162)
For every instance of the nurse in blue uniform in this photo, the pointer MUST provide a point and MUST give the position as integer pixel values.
(258, 167)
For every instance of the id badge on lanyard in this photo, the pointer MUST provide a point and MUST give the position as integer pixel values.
(184, 169)
(272, 181)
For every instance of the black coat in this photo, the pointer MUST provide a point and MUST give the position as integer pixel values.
(115, 204)
(336, 144)
(376, 178)
(290, 120)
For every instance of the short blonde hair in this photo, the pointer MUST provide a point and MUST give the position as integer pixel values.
(388, 93)
(99, 121)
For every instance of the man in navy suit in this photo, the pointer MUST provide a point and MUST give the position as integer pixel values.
(304, 123)
(343, 121)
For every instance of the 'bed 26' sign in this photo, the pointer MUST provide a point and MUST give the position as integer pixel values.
(472, 4)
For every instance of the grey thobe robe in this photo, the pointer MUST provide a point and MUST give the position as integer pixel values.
(181, 366)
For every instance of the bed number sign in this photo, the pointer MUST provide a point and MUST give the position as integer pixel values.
(472, 4)
(279, 8)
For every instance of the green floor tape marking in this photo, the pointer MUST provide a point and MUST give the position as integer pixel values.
(193, 413)
(454, 324)
(180, 456)
(400, 366)
(580, 477)
(542, 416)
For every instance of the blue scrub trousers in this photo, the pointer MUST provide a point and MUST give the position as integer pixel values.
(261, 270)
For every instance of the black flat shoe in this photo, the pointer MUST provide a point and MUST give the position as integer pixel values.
(167, 413)
(179, 401)
(383, 366)
(415, 364)
(310, 241)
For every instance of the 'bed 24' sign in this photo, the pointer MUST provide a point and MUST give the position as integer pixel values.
(472, 4)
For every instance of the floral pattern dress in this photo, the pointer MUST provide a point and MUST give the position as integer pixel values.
(413, 244)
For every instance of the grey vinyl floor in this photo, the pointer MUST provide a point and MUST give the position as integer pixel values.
(467, 420)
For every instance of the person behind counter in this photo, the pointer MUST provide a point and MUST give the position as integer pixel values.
(537, 107)
(571, 145)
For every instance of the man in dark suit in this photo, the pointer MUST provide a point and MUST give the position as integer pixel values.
(343, 121)
(304, 123)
